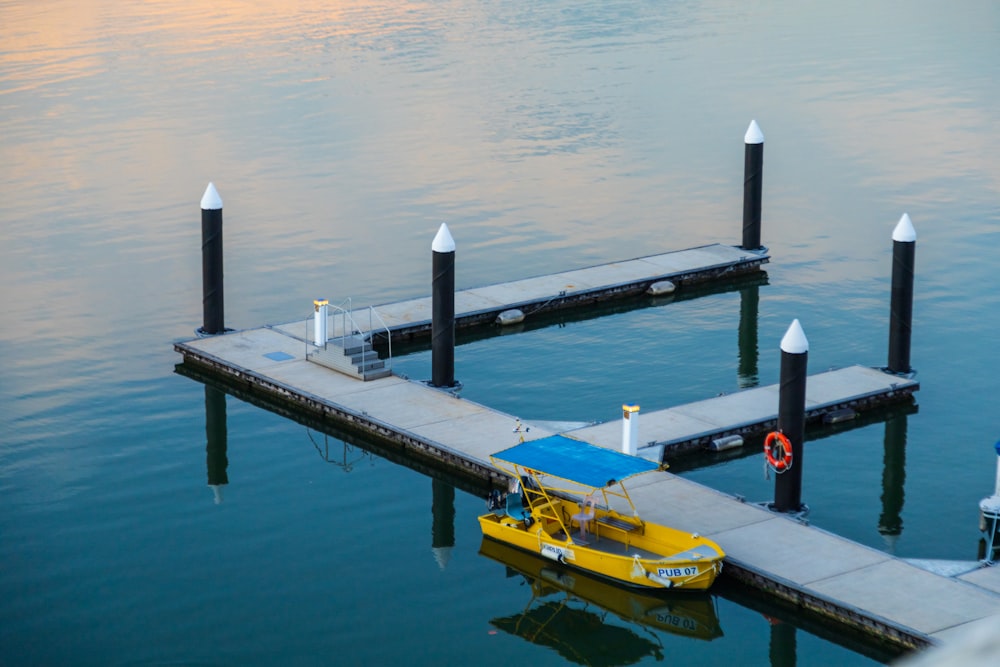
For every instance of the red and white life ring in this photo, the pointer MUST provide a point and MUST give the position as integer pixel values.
(778, 451)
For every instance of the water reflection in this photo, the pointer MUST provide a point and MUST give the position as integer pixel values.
(782, 649)
(216, 432)
(568, 612)
(349, 454)
(578, 635)
(749, 308)
(890, 523)
(443, 524)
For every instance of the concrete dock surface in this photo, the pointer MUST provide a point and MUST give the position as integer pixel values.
(549, 292)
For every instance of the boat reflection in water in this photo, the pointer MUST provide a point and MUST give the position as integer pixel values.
(568, 608)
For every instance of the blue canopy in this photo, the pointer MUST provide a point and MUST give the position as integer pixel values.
(575, 461)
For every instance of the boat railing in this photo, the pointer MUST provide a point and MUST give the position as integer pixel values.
(577, 492)
(543, 505)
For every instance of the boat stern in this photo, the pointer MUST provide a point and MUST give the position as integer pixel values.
(695, 568)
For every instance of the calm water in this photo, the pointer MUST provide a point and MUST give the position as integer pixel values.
(548, 136)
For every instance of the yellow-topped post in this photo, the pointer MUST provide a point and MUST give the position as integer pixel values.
(630, 429)
(319, 321)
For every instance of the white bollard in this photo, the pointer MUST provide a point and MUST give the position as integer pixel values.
(319, 322)
(996, 492)
(989, 515)
(630, 429)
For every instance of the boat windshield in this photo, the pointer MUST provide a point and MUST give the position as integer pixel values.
(574, 461)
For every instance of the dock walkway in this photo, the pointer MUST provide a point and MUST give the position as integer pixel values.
(753, 411)
(480, 305)
(857, 585)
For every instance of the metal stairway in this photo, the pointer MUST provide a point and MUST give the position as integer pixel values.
(351, 355)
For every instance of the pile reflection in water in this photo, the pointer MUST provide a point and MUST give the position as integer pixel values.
(572, 619)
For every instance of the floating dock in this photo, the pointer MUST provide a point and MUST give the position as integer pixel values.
(863, 588)
(753, 412)
(411, 319)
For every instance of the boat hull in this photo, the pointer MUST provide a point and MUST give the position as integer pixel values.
(646, 556)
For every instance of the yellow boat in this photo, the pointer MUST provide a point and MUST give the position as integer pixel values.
(568, 503)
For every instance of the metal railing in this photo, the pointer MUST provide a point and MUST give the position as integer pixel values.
(349, 328)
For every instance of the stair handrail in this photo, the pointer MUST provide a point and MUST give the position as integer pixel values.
(388, 334)
(346, 318)
(346, 315)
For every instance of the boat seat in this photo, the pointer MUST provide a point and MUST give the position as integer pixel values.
(515, 507)
(585, 515)
(617, 523)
